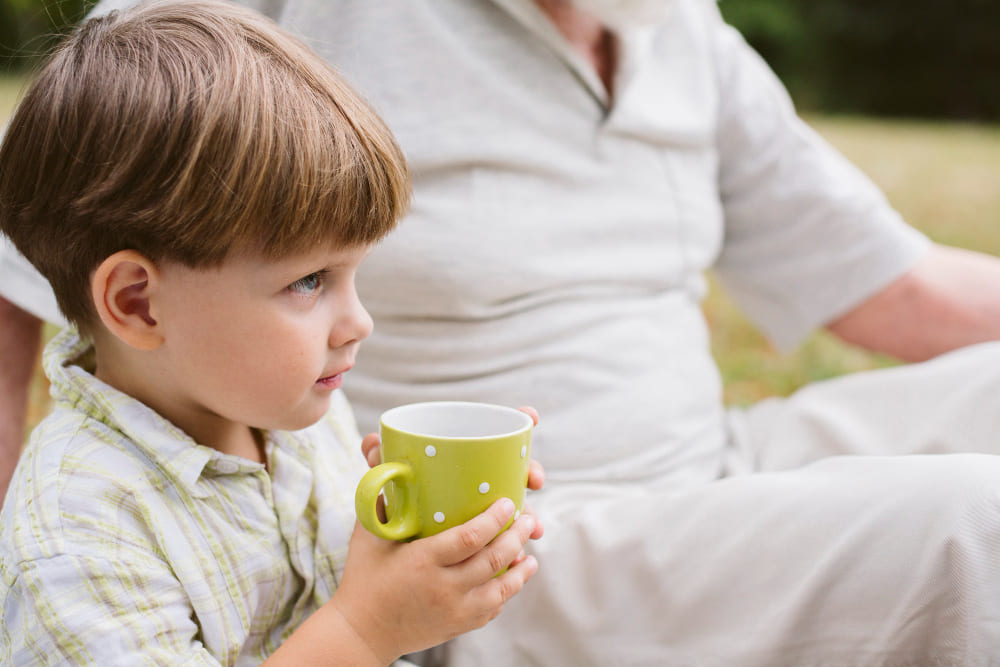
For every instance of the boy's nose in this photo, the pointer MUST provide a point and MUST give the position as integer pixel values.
(353, 325)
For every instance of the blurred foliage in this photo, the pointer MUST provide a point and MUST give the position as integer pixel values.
(886, 57)
(29, 28)
(918, 58)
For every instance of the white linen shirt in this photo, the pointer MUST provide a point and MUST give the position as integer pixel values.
(122, 541)
(557, 243)
(558, 238)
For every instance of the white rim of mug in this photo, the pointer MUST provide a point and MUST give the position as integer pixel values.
(527, 424)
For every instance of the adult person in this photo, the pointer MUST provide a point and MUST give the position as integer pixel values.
(573, 179)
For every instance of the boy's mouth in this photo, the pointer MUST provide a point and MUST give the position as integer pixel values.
(334, 380)
(331, 381)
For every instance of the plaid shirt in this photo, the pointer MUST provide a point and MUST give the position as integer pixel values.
(124, 541)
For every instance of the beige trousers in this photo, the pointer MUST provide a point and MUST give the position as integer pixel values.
(852, 525)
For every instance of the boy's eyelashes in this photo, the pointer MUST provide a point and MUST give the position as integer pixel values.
(309, 284)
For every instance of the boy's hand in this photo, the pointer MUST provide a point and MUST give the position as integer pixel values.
(404, 597)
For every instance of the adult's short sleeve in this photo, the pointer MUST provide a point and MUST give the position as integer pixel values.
(808, 236)
(22, 285)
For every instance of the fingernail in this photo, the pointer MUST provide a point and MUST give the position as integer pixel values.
(529, 522)
(507, 505)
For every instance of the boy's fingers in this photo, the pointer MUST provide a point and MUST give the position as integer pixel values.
(369, 448)
(536, 475)
(501, 553)
(539, 529)
(462, 542)
(531, 412)
(497, 591)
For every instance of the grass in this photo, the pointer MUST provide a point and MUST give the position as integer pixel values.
(941, 176)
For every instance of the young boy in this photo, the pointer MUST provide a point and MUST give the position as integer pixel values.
(199, 189)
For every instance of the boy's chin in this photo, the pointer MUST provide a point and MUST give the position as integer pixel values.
(305, 419)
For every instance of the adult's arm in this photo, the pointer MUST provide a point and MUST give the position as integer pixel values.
(808, 236)
(949, 299)
(20, 337)
(25, 301)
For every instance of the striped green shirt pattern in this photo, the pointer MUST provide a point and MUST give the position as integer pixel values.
(124, 541)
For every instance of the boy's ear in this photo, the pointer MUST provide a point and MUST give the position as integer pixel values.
(122, 287)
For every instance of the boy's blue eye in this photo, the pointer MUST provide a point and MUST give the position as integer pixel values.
(308, 284)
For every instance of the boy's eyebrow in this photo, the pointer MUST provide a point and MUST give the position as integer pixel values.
(295, 269)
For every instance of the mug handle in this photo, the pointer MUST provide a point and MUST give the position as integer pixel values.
(404, 522)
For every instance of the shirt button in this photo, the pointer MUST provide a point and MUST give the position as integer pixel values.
(227, 467)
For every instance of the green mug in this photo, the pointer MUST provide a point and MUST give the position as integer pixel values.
(442, 464)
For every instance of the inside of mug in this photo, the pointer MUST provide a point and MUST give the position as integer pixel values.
(456, 419)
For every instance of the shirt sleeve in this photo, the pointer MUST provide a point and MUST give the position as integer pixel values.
(22, 285)
(95, 611)
(808, 236)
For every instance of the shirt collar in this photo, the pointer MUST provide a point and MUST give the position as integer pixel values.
(634, 43)
(69, 365)
(530, 15)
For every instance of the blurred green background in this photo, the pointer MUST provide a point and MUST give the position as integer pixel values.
(28, 28)
(906, 90)
(912, 58)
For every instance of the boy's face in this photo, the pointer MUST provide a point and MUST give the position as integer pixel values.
(258, 343)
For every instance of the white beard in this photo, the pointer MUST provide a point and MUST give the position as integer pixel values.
(626, 13)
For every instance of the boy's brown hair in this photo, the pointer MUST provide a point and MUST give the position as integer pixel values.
(188, 130)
